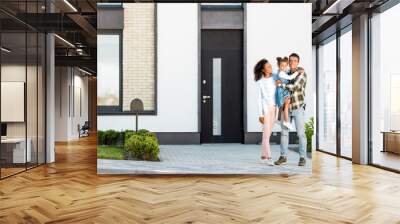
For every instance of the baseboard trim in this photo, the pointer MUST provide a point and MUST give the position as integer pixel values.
(178, 138)
(193, 138)
(255, 138)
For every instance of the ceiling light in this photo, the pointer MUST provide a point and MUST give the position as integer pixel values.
(65, 41)
(84, 71)
(338, 6)
(70, 5)
(5, 50)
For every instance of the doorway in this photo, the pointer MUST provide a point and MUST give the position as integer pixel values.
(221, 86)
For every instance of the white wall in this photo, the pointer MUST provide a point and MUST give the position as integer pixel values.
(277, 30)
(177, 62)
(61, 103)
(66, 121)
(80, 82)
(17, 73)
(177, 74)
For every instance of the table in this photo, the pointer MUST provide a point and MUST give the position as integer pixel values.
(16, 147)
(391, 141)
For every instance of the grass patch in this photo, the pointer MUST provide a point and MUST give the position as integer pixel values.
(110, 152)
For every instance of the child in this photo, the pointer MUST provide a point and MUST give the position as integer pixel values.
(282, 95)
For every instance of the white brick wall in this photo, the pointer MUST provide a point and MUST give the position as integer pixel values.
(138, 54)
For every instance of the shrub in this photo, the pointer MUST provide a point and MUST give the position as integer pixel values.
(142, 145)
(100, 137)
(111, 137)
(309, 131)
(143, 132)
(127, 135)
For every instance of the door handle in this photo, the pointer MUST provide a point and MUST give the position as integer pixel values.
(206, 97)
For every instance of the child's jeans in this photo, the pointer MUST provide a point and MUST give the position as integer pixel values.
(280, 96)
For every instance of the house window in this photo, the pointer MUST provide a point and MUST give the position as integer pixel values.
(127, 62)
(108, 65)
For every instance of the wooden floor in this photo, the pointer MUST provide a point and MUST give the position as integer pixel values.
(5, 172)
(387, 159)
(70, 191)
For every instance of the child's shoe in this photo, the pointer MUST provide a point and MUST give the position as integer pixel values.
(287, 125)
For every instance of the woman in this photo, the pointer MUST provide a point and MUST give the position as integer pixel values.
(266, 104)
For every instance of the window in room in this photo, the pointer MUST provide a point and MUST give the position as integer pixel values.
(346, 93)
(327, 96)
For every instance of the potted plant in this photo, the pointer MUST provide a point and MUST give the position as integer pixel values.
(309, 129)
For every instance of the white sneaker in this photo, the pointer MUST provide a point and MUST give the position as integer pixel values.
(287, 125)
(277, 122)
(269, 162)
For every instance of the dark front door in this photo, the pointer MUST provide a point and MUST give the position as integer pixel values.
(221, 86)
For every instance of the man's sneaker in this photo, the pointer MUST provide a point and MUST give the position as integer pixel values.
(302, 161)
(282, 160)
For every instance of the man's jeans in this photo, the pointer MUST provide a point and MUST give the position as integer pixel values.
(299, 117)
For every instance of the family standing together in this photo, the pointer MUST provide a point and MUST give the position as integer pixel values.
(284, 92)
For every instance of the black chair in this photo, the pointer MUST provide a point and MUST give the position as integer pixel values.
(84, 130)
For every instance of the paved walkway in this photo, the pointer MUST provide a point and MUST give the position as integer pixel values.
(206, 159)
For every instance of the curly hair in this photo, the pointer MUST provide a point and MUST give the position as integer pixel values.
(259, 69)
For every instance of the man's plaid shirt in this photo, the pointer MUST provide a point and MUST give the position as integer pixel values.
(298, 88)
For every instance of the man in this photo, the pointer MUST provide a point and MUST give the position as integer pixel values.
(297, 106)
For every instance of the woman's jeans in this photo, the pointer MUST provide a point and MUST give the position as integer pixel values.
(299, 116)
(269, 119)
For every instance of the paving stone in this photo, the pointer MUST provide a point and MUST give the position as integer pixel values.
(206, 159)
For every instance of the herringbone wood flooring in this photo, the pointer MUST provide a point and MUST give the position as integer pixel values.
(70, 191)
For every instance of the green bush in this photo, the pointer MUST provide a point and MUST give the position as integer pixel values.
(142, 145)
(142, 132)
(127, 135)
(100, 137)
(309, 129)
(112, 137)
(145, 132)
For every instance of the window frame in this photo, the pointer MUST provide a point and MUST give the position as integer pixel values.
(118, 110)
(330, 39)
(370, 73)
(334, 37)
(114, 109)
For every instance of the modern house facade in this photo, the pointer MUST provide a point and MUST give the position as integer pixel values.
(192, 66)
